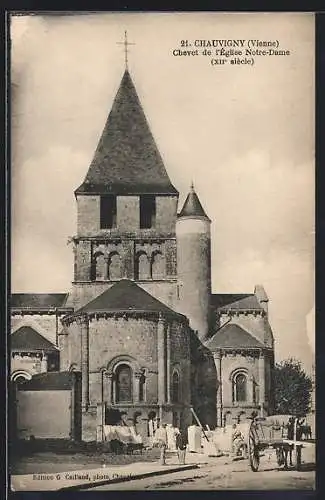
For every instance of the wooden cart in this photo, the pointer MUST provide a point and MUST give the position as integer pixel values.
(262, 437)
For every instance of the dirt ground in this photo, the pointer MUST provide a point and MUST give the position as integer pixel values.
(229, 475)
(218, 474)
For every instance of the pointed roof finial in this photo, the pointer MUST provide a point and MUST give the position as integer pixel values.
(192, 206)
(126, 44)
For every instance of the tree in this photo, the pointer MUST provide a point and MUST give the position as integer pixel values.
(292, 388)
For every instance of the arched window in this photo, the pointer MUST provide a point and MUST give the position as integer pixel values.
(175, 387)
(157, 266)
(239, 388)
(142, 267)
(123, 376)
(100, 267)
(142, 381)
(114, 266)
(20, 376)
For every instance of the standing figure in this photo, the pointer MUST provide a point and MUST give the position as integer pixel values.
(238, 441)
(171, 437)
(181, 442)
(161, 441)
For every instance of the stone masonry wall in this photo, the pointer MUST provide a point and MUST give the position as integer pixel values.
(180, 359)
(110, 338)
(45, 324)
(127, 216)
(229, 364)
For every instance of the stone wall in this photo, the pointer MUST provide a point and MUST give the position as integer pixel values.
(127, 216)
(194, 272)
(28, 364)
(88, 213)
(255, 324)
(232, 362)
(113, 338)
(44, 324)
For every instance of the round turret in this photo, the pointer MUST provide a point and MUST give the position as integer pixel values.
(194, 263)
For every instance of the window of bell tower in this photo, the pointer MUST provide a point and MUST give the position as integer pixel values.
(147, 211)
(107, 211)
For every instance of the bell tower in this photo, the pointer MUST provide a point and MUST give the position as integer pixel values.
(126, 209)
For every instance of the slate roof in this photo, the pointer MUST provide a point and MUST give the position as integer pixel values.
(232, 335)
(38, 300)
(222, 299)
(126, 295)
(28, 339)
(192, 206)
(127, 160)
(249, 303)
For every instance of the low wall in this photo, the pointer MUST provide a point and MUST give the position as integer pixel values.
(48, 407)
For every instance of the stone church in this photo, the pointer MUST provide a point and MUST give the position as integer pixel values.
(141, 323)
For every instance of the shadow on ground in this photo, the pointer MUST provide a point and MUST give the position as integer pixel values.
(52, 456)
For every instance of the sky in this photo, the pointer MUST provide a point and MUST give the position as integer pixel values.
(244, 134)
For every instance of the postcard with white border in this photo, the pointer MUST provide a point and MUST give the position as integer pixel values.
(162, 251)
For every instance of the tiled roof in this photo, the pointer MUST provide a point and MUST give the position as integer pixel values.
(36, 300)
(232, 335)
(249, 303)
(222, 299)
(192, 206)
(50, 381)
(126, 295)
(28, 339)
(127, 159)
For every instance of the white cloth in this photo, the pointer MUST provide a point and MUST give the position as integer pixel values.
(222, 437)
(121, 433)
(194, 438)
(161, 436)
(171, 438)
(137, 438)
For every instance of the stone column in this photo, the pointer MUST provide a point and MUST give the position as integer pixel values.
(106, 276)
(251, 390)
(100, 421)
(261, 379)
(109, 387)
(168, 363)
(137, 378)
(161, 360)
(84, 327)
(217, 356)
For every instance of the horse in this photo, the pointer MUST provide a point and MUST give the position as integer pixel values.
(305, 431)
(288, 448)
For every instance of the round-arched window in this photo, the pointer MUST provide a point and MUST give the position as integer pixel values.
(123, 383)
(239, 387)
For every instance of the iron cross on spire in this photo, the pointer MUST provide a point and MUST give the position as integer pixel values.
(126, 44)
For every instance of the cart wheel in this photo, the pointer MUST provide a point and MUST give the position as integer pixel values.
(297, 457)
(280, 456)
(253, 452)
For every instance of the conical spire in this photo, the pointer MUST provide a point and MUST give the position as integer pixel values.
(127, 160)
(192, 206)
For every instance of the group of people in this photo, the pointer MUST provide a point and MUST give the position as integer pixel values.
(161, 441)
